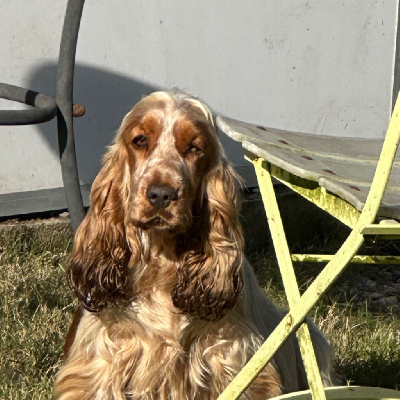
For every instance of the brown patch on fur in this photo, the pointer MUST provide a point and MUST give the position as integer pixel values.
(185, 134)
(151, 127)
(197, 133)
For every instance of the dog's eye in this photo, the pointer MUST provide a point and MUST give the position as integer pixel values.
(194, 150)
(140, 142)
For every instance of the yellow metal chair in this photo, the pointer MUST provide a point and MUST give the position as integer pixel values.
(350, 180)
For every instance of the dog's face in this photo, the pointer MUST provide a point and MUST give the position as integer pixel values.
(170, 147)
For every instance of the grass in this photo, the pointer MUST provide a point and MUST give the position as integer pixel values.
(36, 308)
(366, 344)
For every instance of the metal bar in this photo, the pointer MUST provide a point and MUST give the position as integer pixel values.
(65, 78)
(45, 107)
(331, 271)
(359, 259)
(347, 392)
(288, 276)
(382, 229)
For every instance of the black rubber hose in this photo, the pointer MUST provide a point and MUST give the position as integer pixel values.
(45, 107)
(65, 79)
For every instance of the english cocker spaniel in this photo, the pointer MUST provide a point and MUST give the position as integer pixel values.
(170, 308)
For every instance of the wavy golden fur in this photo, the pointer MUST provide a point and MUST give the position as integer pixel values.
(170, 310)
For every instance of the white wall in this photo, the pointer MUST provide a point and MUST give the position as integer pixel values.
(324, 67)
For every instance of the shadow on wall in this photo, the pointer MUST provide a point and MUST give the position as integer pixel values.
(106, 96)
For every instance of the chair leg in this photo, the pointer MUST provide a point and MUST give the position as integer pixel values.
(288, 275)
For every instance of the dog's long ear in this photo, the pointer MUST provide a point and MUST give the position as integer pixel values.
(209, 275)
(105, 248)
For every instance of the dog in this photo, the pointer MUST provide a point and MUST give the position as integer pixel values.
(169, 306)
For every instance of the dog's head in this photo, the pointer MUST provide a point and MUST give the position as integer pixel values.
(165, 175)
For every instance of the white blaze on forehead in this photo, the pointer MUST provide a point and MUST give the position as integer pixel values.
(166, 142)
(165, 157)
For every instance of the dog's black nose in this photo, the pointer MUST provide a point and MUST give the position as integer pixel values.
(160, 196)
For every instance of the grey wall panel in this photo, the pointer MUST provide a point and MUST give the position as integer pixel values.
(323, 67)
